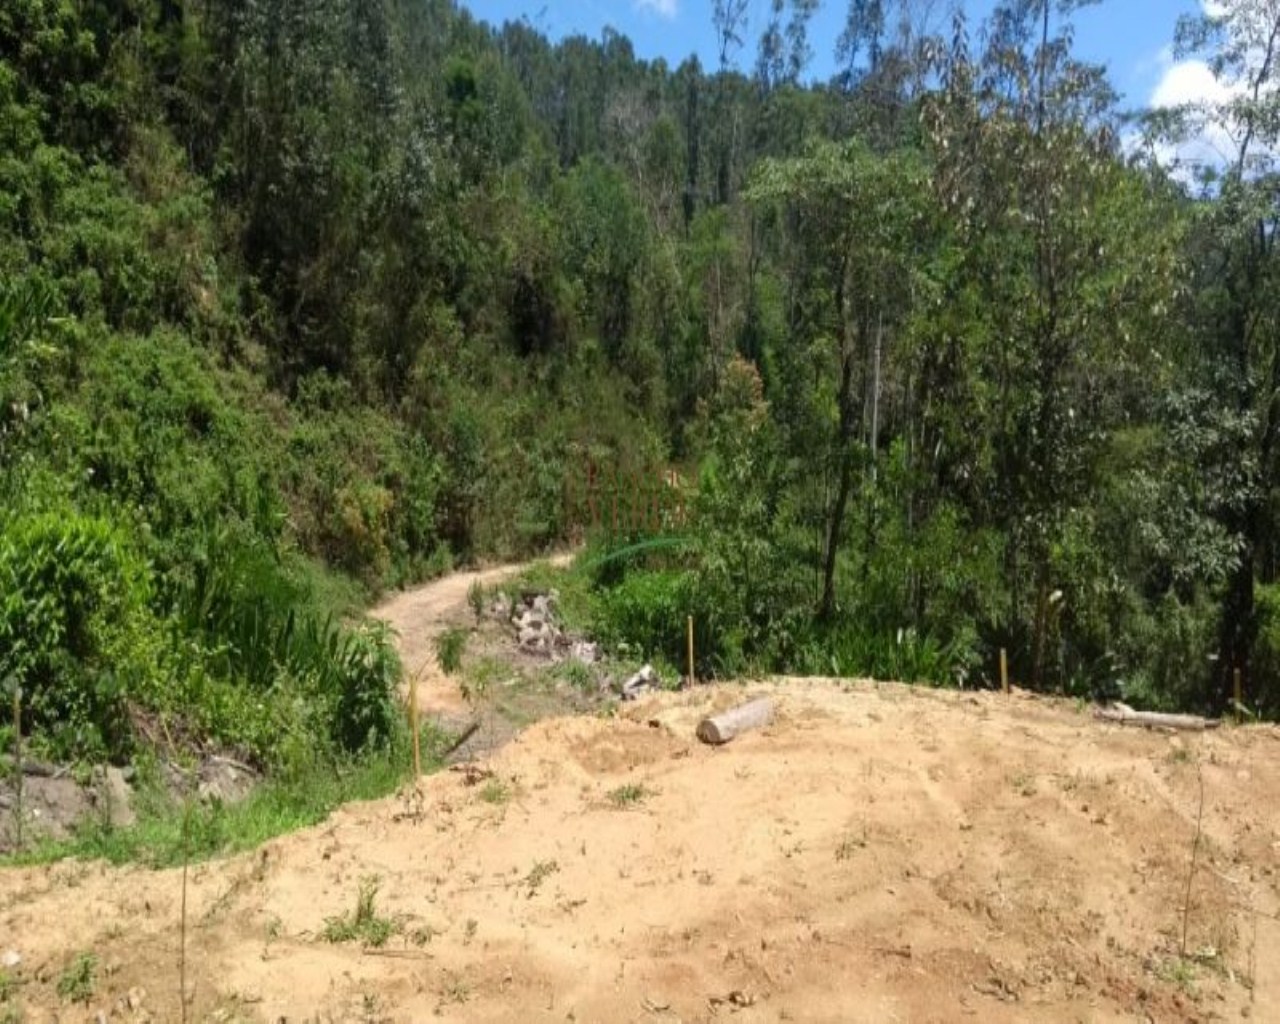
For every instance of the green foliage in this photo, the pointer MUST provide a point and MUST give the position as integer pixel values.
(647, 611)
(1263, 696)
(629, 795)
(476, 600)
(944, 371)
(76, 630)
(79, 980)
(364, 925)
(450, 645)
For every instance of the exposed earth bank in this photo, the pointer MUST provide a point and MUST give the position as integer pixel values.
(878, 853)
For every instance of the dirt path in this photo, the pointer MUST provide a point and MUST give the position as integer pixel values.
(420, 615)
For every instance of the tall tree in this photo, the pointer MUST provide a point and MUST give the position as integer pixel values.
(1046, 216)
(1236, 308)
(857, 219)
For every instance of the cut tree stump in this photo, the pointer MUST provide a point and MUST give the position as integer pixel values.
(724, 727)
(1122, 714)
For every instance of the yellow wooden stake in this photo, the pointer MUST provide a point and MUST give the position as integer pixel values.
(1004, 671)
(689, 639)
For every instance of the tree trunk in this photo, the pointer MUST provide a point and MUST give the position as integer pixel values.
(844, 483)
(844, 437)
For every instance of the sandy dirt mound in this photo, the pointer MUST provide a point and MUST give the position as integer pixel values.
(877, 854)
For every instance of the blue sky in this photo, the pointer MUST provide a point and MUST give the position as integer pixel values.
(1132, 37)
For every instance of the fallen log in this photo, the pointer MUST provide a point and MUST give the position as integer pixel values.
(724, 727)
(1122, 714)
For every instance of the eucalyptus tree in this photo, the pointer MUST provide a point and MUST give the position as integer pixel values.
(1065, 259)
(855, 223)
(1235, 307)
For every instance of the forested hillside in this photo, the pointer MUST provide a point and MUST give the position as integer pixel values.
(302, 299)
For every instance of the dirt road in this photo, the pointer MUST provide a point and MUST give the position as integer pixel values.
(877, 854)
(420, 615)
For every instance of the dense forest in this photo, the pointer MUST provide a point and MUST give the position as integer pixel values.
(304, 299)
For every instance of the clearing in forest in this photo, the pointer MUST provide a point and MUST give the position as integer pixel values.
(877, 853)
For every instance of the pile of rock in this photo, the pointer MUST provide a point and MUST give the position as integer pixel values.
(534, 621)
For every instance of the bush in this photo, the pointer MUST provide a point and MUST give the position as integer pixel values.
(1264, 695)
(76, 630)
(648, 610)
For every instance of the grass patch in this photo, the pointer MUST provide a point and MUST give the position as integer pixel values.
(576, 674)
(495, 792)
(629, 795)
(476, 596)
(365, 924)
(1178, 971)
(481, 676)
(8, 985)
(277, 806)
(78, 981)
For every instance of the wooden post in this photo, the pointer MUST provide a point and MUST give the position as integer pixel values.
(1238, 693)
(17, 765)
(1004, 671)
(413, 725)
(689, 642)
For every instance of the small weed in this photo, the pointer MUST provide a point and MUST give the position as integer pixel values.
(455, 989)
(576, 674)
(365, 924)
(1024, 783)
(1180, 755)
(1178, 971)
(475, 598)
(371, 1009)
(449, 647)
(8, 985)
(495, 792)
(422, 936)
(539, 873)
(481, 677)
(849, 846)
(78, 981)
(274, 925)
(629, 795)
(469, 930)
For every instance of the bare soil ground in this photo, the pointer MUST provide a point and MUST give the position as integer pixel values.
(878, 854)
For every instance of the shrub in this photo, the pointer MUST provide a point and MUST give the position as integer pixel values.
(648, 610)
(449, 647)
(76, 631)
(1265, 684)
(367, 669)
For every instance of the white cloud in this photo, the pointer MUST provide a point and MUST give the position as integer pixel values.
(1191, 85)
(1188, 81)
(662, 8)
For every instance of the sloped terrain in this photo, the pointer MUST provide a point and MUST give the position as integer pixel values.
(878, 853)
